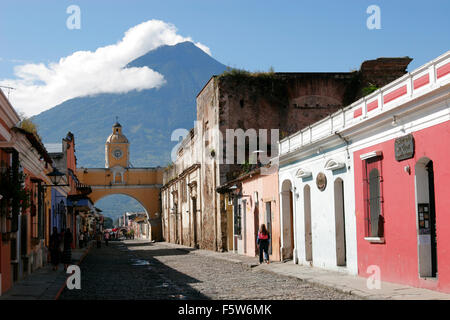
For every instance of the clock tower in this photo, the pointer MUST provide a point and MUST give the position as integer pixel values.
(117, 149)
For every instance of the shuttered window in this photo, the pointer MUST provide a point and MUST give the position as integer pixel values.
(373, 197)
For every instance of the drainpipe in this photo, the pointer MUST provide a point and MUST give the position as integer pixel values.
(346, 143)
(215, 209)
(294, 224)
(200, 190)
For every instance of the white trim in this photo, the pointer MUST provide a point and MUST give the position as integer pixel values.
(301, 173)
(334, 165)
(8, 109)
(4, 132)
(371, 154)
(374, 239)
(326, 127)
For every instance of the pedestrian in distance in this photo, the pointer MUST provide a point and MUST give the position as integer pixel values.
(67, 252)
(81, 240)
(263, 243)
(106, 238)
(54, 248)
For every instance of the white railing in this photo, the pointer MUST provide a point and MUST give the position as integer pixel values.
(432, 75)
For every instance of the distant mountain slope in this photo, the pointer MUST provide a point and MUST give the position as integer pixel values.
(148, 117)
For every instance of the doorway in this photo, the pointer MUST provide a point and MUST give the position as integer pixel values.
(194, 221)
(256, 226)
(244, 227)
(426, 218)
(287, 221)
(339, 214)
(308, 224)
(269, 224)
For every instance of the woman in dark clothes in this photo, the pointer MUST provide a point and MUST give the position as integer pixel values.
(54, 248)
(263, 243)
(67, 253)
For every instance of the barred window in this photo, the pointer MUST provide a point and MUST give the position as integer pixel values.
(373, 197)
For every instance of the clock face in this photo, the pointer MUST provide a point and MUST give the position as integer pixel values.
(117, 153)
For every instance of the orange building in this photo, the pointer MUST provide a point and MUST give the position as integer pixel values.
(24, 167)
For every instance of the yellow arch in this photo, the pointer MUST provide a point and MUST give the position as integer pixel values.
(142, 184)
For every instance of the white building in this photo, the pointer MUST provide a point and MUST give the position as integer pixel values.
(317, 204)
(324, 208)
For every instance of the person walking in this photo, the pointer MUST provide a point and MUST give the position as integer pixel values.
(263, 243)
(67, 252)
(106, 238)
(81, 240)
(54, 248)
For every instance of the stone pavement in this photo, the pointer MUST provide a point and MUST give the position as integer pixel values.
(44, 283)
(340, 281)
(142, 270)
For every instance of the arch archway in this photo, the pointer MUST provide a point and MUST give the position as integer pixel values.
(287, 220)
(133, 204)
(141, 184)
(117, 205)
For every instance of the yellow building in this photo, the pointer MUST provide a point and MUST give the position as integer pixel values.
(142, 184)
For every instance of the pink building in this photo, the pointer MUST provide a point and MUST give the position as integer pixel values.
(254, 198)
(402, 181)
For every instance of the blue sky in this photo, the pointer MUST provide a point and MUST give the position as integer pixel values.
(254, 35)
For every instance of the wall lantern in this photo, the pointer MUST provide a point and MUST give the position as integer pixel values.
(56, 177)
(407, 169)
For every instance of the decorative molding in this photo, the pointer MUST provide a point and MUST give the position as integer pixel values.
(375, 239)
(371, 154)
(334, 165)
(302, 173)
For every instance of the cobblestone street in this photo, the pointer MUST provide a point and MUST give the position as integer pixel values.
(136, 269)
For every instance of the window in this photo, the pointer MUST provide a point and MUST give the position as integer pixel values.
(373, 197)
(237, 220)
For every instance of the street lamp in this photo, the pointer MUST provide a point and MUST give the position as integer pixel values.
(56, 177)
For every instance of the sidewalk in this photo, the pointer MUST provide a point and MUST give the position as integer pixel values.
(337, 280)
(44, 283)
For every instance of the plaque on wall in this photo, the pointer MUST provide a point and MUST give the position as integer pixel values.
(321, 181)
(404, 147)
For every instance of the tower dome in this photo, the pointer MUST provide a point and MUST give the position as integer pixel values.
(116, 135)
(117, 148)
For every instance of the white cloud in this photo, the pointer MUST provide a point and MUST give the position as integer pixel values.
(40, 87)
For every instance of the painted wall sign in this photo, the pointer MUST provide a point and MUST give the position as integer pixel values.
(321, 181)
(404, 147)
